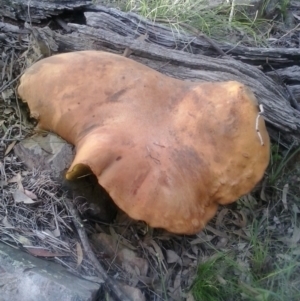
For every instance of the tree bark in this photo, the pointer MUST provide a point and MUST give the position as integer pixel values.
(38, 10)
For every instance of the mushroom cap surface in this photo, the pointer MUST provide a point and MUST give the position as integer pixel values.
(167, 151)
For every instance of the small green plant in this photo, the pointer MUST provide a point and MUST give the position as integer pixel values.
(279, 161)
(283, 7)
(224, 278)
(208, 286)
(259, 250)
(212, 21)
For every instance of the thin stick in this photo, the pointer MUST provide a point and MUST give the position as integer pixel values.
(261, 108)
(112, 286)
(198, 34)
(231, 11)
(286, 34)
(205, 37)
(5, 86)
(19, 112)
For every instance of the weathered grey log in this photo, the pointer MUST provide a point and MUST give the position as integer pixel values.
(180, 40)
(295, 4)
(27, 278)
(295, 90)
(37, 10)
(10, 28)
(289, 74)
(158, 34)
(291, 77)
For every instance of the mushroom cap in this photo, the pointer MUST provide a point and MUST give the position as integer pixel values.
(167, 151)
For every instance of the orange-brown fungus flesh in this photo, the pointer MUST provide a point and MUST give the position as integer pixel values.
(167, 151)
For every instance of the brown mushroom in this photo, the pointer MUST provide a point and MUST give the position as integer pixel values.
(167, 151)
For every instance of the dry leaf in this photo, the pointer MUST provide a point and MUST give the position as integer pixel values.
(296, 252)
(6, 223)
(98, 228)
(21, 197)
(296, 17)
(40, 252)
(284, 196)
(285, 257)
(296, 235)
(242, 245)
(240, 222)
(24, 240)
(93, 279)
(258, 295)
(47, 232)
(130, 260)
(172, 257)
(56, 232)
(221, 280)
(133, 293)
(114, 236)
(195, 250)
(25, 173)
(221, 216)
(292, 242)
(8, 111)
(190, 297)
(10, 147)
(3, 183)
(276, 220)
(79, 253)
(202, 238)
(177, 281)
(263, 188)
(216, 232)
(7, 94)
(30, 194)
(222, 243)
(17, 179)
(40, 234)
(157, 249)
(131, 272)
(295, 209)
(104, 243)
(249, 201)
(176, 289)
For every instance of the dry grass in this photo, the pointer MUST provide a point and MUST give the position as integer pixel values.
(224, 22)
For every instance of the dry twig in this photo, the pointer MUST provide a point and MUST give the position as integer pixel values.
(112, 286)
(261, 111)
(198, 34)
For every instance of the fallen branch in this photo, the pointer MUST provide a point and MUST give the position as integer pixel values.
(181, 56)
(112, 286)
